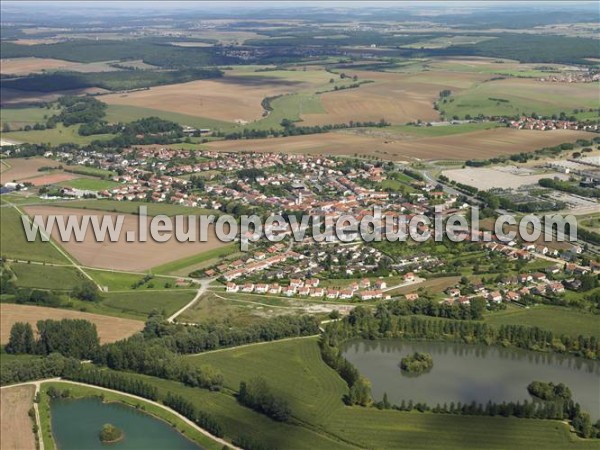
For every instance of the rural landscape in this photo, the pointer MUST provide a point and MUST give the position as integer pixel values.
(147, 113)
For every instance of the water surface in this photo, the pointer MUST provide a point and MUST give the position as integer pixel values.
(467, 373)
(77, 422)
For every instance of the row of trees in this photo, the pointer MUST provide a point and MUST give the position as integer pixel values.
(76, 338)
(566, 186)
(290, 129)
(113, 380)
(257, 395)
(363, 323)
(202, 337)
(153, 358)
(20, 370)
(557, 409)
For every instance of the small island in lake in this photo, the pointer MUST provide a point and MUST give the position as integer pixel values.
(111, 434)
(417, 363)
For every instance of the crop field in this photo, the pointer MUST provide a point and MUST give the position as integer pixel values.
(17, 431)
(110, 329)
(15, 245)
(478, 144)
(53, 178)
(19, 169)
(230, 99)
(514, 96)
(397, 98)
(46, 277)
(168, 209)
(122, 255)
(557, 319)
(24, 66)
(129, 113)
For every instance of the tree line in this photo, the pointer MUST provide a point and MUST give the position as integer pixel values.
(75, 338)
(290, 129)
(257, 395)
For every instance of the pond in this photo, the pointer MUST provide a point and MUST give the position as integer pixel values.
(467, 373)
(77, 422)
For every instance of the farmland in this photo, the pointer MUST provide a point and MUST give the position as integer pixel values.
(477, 144)
(46, 277)
(54, 136)
(154, 209)
(140, 303)
(24, 66)
(20, 169)
(122, 255)
(521, 95)
(15, 245)
(17, 426)
(228, 99)
(90, 184)
(559, 320)
(290, 365)
(110, 329)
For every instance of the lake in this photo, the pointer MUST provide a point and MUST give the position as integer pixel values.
(77, 422)
(467, 373)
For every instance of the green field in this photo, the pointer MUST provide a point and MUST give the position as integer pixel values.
(140, 303)
(290, 107)
(518, 97)
(54, 136)
(559, 320)
(122, 281)
(90, 184)
(14, 244)
(46, 277)
(20, 117)
(77, 391)
(184, 266)
(440, 130)
(91, 171)
(125, 207)
(295, 370)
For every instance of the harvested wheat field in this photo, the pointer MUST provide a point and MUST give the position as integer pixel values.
(231, 98)
(110, 329)
(122, 255)
(17, 432)
(53, 178)
(475, 145)
(397, 98)
(24, 66)
(20, 169)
